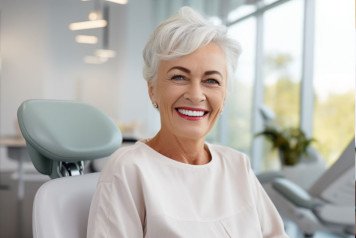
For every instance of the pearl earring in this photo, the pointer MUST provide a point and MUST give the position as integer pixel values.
(155, 105)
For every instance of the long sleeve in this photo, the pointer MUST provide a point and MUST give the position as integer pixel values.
(115, 211)
(269, 218)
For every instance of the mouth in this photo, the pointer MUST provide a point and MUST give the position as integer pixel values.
(192, 114)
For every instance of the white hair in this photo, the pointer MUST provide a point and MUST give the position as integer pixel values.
(181, 35)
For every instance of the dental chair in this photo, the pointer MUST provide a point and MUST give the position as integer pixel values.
(328, 204)
(61, 137)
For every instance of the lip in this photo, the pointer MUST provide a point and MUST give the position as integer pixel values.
(192, 118)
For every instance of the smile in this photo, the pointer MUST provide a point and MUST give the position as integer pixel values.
(191, 113)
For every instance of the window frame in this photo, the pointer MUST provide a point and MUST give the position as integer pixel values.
(306, 88)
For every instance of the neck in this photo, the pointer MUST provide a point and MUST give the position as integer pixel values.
(181, 149)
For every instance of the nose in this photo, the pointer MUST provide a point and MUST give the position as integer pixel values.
(195, 92)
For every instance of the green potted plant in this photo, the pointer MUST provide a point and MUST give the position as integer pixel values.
(291, 143)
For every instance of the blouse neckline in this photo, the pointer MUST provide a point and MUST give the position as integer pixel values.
(176, 163)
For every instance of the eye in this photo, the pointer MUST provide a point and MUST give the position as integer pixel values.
(212, 81)
(178, 77)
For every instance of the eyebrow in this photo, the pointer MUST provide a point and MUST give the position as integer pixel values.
(210, 72)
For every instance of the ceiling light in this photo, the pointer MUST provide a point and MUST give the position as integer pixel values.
(85, 39)
(94, 15)
(94, 60)
(87, 25)
(105, 53)
(118, 1)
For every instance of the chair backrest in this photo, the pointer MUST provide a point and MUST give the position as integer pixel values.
(61, 207)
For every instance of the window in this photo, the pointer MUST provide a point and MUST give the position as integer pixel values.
(273, 31)
(282, 49)
(239, 103)
(283, 36)
(334, 76)
(240, 11)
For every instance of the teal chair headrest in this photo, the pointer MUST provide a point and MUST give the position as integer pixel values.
(65, 131)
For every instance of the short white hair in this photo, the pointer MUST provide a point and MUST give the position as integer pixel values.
(181, 35)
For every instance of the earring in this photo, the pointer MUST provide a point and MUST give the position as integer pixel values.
(155, 105)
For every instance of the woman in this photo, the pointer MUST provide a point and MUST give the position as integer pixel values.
(176, 184)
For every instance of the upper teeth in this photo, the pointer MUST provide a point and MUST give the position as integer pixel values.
(191, 113)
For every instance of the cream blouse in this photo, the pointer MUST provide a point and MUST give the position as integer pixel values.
(142, 193)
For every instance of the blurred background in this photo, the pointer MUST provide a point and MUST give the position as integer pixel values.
(298, 61)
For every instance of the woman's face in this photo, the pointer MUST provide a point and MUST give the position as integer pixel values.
(190, 92)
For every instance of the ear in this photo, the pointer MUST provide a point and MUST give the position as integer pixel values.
(150, 87)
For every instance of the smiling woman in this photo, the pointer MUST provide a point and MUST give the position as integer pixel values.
(175, 184)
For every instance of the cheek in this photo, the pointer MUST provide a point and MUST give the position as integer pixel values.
(219, 99)
(169, 94)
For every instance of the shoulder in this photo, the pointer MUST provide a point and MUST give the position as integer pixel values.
(226, 150)
(125, 160)
(230, 155)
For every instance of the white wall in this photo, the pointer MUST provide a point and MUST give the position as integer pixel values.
(23, 53)
(135, 104)
(41, 60)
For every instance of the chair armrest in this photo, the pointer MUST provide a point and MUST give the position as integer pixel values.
(293, 193)
(268, 177)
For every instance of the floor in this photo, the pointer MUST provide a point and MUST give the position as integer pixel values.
(15, 215)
